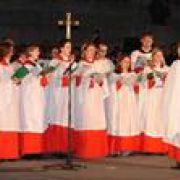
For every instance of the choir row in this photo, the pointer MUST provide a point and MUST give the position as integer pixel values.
(113, 108)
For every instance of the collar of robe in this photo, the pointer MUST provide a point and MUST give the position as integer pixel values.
(145, 52)
(61, 58)
(88, 61)
(30, 63)
(22, 63)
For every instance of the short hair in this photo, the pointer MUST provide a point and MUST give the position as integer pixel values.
(102, 43)
(5, 49)
(147, 34)
(120, 58)
(31, 48)
(62, 43)
(8, 40)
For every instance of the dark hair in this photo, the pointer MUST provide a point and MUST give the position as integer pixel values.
(8, 40)
(118, 68)
(145, 34)
(5, 49)
(85, 46)
(19, 51)
(102, 43)
(63, 42)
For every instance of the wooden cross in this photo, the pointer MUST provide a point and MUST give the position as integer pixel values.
(68, 22)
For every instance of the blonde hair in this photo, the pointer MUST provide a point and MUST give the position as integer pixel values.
(154, 52)
(30, 49)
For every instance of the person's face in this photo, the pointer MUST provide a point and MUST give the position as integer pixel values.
(90, 53)
(35, 53)
(147, 41)
(126, 62)
(22, 58)
(102, 50)
(54, 53)
(66, 50)
(158, 58)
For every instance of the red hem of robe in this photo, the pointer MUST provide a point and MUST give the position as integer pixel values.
(9, 145)
(31, 143)
(55, 139)
(173, 152)
(90, 144)
(153, 145)
(122, 144)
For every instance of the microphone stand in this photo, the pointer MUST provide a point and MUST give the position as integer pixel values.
(69, 163)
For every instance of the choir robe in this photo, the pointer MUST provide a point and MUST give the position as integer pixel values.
(56, 137)
(123, 123)
(9, 115)
(104, 66)
(139, 59)
(171, 111)
(153, 129)
(32, 109)
(90, 135)
(16, 65)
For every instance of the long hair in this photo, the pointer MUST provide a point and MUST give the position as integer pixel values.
(85, 47)
(5, 49)
(156, 50)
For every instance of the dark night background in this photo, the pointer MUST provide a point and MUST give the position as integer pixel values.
(117, 21)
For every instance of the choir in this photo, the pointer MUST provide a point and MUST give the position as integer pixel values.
(116, 109)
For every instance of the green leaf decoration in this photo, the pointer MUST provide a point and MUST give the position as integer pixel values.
(139, 78)
(21, 73)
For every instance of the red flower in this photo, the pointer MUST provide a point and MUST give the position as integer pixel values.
(164, 77)
(65, 81)
(138, 70)
(78, 80)
(136, 88)
(44, 81)
(151, 83)
(118, 85)
(100, 83)
(91, 85)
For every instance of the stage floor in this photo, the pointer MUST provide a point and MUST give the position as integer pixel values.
(121, 168)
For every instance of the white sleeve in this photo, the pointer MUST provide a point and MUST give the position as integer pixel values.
(134, 56)
(111, 66)
(53, 63)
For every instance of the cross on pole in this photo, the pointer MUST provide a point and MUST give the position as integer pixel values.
(68, 23)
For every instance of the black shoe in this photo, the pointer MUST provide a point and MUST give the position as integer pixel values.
(115, 155)
(128, 153)
(33, 157)
(177, 167)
